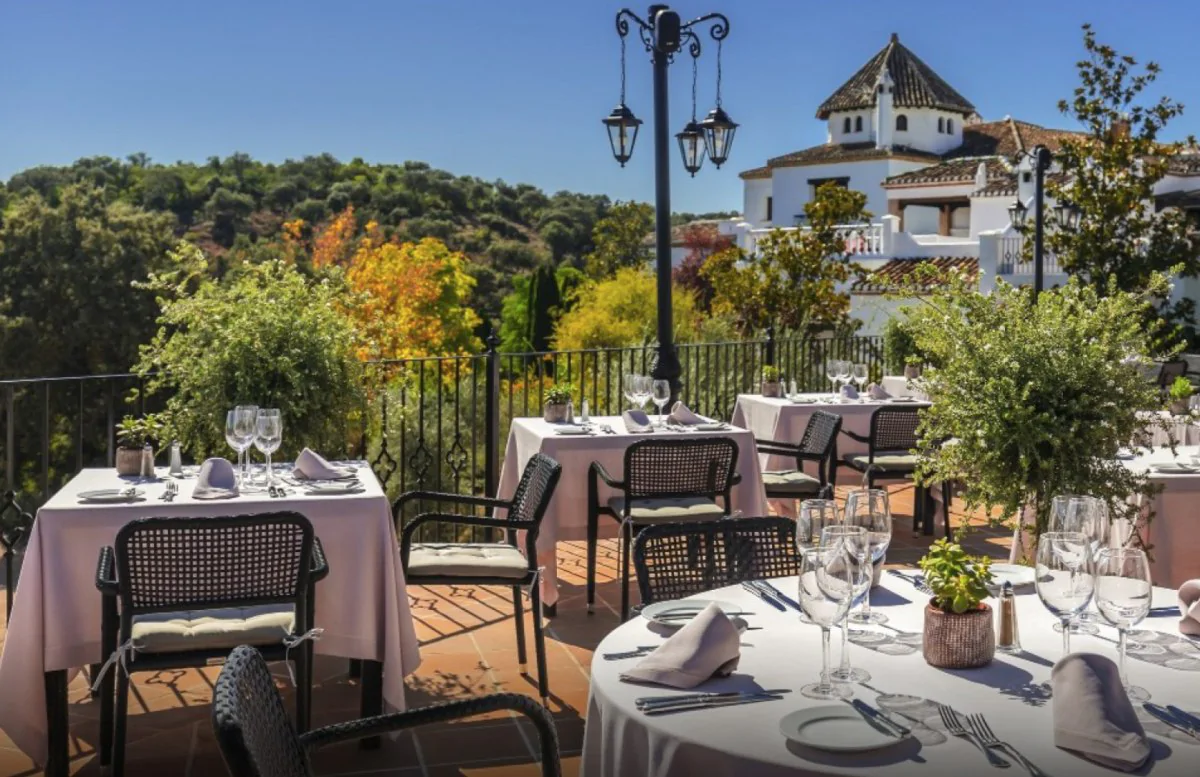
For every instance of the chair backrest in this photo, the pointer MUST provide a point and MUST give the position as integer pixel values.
(252, 727)
(1169, 371)
(674, 560)
(820, 433)
(168, 564)
(680, 467)
(894, 428)
(535, 490)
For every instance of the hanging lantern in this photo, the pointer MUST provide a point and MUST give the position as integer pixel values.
(622, 132)
(691, 147)
(1016, 214)
(1067, 215)
(718, 135)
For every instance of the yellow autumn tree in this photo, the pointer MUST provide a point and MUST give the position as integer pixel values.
(620, 311)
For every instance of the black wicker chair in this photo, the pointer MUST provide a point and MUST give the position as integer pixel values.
(817, 445)
(256, 739)
(1168, 371)
(478, 563)
(674, 560)
(666, 480)
(190, 590)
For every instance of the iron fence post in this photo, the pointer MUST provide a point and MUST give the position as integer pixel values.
(769, 347)
(491, 437)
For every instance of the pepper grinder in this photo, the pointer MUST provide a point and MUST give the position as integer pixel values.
(1008, 638)
(176, 468)
(147, 461)
(583, 411)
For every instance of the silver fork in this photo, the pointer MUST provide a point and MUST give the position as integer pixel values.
(956, 728)
(172, 489)
(982, 730)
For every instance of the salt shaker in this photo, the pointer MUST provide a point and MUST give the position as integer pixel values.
(570, 412)
(147, 461)
(176, 468)
(583, 411)
(1008, 640)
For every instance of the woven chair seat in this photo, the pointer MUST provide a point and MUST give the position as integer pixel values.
(466, 559)
(884, 462)
(662, 510)
(791, 482)
(178, 632)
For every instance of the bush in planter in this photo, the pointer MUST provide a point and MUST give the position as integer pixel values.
(557, 398)
(1179, 393)
(898, 344)
(134, 433)
(959, 633)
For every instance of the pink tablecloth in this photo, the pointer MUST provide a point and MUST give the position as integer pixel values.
(566, 517)
(362, 605)
(1174, 530)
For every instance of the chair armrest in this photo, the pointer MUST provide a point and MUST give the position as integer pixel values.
(597, 470)
(438, 713)
(320, 567)
(735, 479)
(777, 447)
(410, 528)
(106, 573)
(854, 436)
(436, 496)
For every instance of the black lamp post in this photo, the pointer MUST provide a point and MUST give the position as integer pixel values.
(663, 36)
(1065, 215)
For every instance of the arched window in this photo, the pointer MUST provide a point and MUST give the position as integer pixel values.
(846, 126)
(949, 126)
(902, 123)
(941, 124)
(858, 124)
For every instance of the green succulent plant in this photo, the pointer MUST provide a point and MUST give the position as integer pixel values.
(1181, 389)
(958, 580)
(134, 432)
(771, 374)
(559, 394)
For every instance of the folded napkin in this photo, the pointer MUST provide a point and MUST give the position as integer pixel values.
(636, 421)
(849, 392)
(707, 646)
(681, 414)
(1092, 714)
(311, 465)
(217, 480)
(875, 391)
(1189, 605)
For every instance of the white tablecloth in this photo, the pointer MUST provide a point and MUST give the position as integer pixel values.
(784, 420)
(362, 605)
(566, 517)
(899, 386)
(1174, 530)
(1185, 430)
(741, 741)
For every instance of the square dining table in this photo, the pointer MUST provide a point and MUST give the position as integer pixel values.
(566, 516)
(55, 624)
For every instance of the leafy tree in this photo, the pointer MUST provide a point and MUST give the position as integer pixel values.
(701, 242)
(544, 301)
(618, 239)
(514, 317)
(793, 281)
(620, 311)
(1110, 173)
(228, 211)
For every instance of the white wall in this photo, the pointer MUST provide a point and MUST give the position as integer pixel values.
(921, 219)
(988, 213)
(874, 310)
(791, 188)
(754, 201)
(921, 133)
(837, 120)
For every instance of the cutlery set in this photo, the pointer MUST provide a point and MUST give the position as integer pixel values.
(771, 595)
(917, 581)
(878, 719)
(1176, 718)
(663, 705)
(171, 492)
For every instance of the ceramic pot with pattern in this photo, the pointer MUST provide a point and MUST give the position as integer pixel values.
(912, 371)
(959, 641)
(556, 412)
(772, 388)
(129, 461)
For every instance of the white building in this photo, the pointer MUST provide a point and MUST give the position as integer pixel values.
(938, 179)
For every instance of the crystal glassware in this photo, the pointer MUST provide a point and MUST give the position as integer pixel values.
(1065, 513)
(831, 371)
(630, 389)
(269, 436)
(814, 516)
(661, 393)
(1064, 577)
(869, 509)
(246, 429)
(1089, 515)
(1123, 591)
(642, 390)
(825, 593)
(860, 375)
(845, 368)
(852, 540)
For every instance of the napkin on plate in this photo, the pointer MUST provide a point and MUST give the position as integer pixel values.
(682, 414)
(1092, 714)
(636, 421)
(311, 465)
(875, 391)
(217, 480)
(849, 392)
(1189, 605)
(707, 646)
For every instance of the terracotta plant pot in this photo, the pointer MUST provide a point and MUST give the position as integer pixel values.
(129, 461)
(556, 413)
(1179, 406)
(771, 388)
(912, 371)
(954, 641)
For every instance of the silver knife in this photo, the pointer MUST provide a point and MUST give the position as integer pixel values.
(764, 595)
(701, 704)
(1185, 716)
(875, 715)
(645, 701)
(1169, 719)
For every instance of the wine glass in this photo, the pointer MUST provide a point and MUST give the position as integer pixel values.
(1066, 511)
(630, 388)
(793, 392)
(869, 509)
(269, 436)
(642, 390)
(844, 369)
(831, 372)
(1064, 577)
(231, 437)
(240, 431)
(1089, 515)
(661, 391)
(1123, 592)
(825, 593)
(814, 516)
(853, 541)
(859, 375)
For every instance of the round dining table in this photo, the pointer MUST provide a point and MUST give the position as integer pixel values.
(779, 652)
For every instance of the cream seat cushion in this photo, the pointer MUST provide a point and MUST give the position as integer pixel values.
(668, 509)
(791, 482)
(175, 632)
(466, 559)
(887, 462)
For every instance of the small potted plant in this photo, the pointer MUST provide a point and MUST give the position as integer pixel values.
(770, 382)
(1180, 393)
(557, 407)
(133, 434)
(912, 367)
(959, 628)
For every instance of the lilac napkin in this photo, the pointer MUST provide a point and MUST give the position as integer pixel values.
(707, 646)
(636, 421)
(849, 392)
(217, 480)
(1093, 716)
(681, 414)
(875, 391)
(311, 465)
(1189, 605)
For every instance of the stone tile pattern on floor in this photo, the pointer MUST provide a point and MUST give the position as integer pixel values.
(467, 647)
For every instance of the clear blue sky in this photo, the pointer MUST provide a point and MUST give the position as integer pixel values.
(513, 89)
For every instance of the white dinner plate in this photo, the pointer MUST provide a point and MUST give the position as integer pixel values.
(1016, 574)
(837, 728)
(112, 495)
(654, 612)
(803, 400)
(905, 399)
(571, 430)
(334, 488)
(710, 426)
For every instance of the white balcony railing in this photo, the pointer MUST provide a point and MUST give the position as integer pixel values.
(1013, 261)
(861, 239)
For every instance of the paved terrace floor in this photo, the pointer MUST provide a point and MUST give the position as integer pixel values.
(467, 649)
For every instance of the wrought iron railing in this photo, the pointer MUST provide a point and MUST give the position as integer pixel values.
(432, 423)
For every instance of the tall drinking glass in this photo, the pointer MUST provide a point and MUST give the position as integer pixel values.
(825, 594)
(1123, 592)
(853, 542)
(844, 369)
(869, 509)
(831, 372)
(231, 437)
(860, 376)
(1065, 513)
(269, 437)
(1065, 577)
(1089, 515)
(814, 516)
(630, 390)
(662, 395)
(246, 428)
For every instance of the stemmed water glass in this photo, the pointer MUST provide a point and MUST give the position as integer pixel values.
(825, 593)
(845, 367)
(1065, 577)
(631, 392)
(869, 509)
(269, 426)
(832, 368)
(240, 431)
(1067, 511)
(661, 391)
(860, 376)
(814, 516)
(852, 540)
(1089, 515)
(1123, 591)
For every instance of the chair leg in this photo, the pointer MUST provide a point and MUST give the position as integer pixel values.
(916, 510)
(109, 626)
(625, 542)
(355, 671)
(539, 644)
(519, 617)
(120, 718)
(371, 702)
(946, 507)
(593, 533)
(57, 723)
(303, 670)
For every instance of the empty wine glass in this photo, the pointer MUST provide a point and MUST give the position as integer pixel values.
(661, 391)
(269, 437)
(844, 369)
(240, 431)
(643, 390)
(814, 516)
(860, 374)
(1067, 512)
(825, 593)
(831, 372)
(869, 509)
(1064, 577)
(1123, 592)
(1089, 515)
(853, 541)
(630, 388)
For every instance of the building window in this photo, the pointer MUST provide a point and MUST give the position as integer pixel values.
(770, 208)
(941, 124)
(858, 124)
(949, 126)
(902, 123)
(846, 126)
